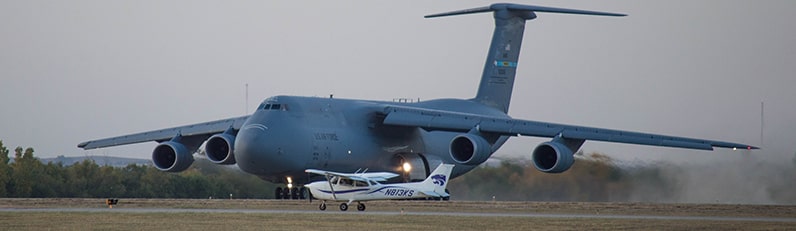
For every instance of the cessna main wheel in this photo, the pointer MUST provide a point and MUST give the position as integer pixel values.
(343, 207)
(361, 207)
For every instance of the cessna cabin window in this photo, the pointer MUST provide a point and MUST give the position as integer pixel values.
(346, 182)
(358, 183)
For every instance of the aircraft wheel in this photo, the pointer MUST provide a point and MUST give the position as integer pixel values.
(285, 193)
(361, 207)
(303, 193)
(343, 207)
(294, 193)
(278, 193)
(322, 207)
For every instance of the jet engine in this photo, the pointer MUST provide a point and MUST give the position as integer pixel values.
(172, 156)
(219, 148)
(555, 156)
(470, 149)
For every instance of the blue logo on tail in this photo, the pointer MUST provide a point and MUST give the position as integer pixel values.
(438, 179)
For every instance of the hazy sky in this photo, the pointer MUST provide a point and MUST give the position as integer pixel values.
(73, 71)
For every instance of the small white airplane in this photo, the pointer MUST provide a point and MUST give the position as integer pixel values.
(358, 187)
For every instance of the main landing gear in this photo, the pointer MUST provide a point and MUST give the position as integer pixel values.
(291, 192)
(295, 193)
(343, 206)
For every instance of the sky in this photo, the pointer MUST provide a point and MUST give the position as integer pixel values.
(72, 71)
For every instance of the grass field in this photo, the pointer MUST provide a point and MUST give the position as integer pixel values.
(354, 220)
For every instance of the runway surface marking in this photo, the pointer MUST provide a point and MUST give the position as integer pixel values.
(465, 214)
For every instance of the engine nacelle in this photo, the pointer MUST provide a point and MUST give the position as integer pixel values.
(470, 149)
(172, 156)
(220, 149)
(555, 156)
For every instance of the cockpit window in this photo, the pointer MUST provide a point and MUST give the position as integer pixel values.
(269, 106)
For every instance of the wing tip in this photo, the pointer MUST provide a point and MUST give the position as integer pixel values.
(743, 147)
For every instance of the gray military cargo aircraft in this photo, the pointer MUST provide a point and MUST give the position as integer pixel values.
(288, 134)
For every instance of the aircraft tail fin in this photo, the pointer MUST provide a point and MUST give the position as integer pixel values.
(497, 80)
(436, 183)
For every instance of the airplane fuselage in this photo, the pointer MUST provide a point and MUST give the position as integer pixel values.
(287, 134)
(322, 191)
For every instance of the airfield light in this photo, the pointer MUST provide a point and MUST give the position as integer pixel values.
(407, 167)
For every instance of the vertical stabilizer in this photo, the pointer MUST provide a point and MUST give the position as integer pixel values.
(435, 184)
(497, 80)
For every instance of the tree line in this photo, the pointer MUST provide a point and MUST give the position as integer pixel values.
(593, 177)
(598, 178)
(26, 176)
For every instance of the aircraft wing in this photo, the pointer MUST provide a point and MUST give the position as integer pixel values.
(206, 128)
(376, 176)
(430, 119)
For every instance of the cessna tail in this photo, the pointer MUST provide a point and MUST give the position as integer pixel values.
(437, 181)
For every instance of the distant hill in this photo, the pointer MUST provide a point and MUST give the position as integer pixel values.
(100, 160)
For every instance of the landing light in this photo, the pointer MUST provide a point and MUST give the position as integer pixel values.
(407, 167)
(289, 182)
(734, 148)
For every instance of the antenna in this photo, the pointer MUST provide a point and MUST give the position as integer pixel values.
(762, 104)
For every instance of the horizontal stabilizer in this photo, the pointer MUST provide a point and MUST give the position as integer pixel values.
(435, 194)
(518, 7)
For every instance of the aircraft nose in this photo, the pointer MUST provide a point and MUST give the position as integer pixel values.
(249, 148)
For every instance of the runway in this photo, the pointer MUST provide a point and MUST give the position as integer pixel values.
(396, 213)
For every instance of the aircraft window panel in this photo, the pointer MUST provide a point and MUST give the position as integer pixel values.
(276, 107)
(358, 183)
(346, 182)
(267, 107)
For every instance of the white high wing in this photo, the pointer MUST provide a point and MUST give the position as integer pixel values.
(357, 187)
